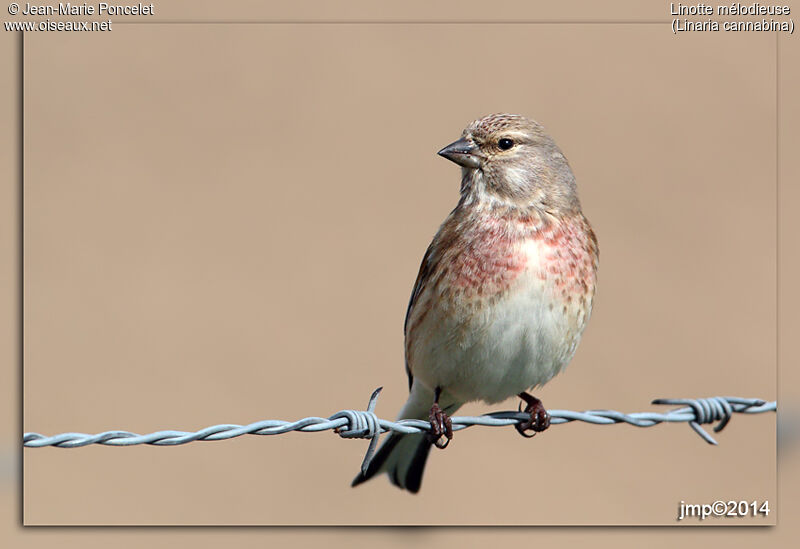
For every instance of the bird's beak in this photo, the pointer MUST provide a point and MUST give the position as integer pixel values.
(463, 152)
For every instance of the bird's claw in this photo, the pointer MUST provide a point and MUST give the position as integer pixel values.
(539, 420)
(441, 427)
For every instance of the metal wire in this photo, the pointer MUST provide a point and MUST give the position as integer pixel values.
(365, 424)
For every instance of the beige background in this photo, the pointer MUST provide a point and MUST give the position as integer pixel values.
(219, 232)
(208, 154)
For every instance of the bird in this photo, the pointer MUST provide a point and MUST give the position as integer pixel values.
(503, 294)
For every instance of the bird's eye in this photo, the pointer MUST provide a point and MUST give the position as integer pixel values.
(505, 144)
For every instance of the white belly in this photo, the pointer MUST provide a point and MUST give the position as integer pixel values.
(500, 347)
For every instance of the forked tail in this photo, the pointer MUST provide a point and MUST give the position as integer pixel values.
(403, 458)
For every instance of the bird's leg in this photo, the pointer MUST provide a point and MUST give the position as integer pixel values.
(441, 427)
(540, 419)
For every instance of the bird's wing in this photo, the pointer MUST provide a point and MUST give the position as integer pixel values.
(423, 277)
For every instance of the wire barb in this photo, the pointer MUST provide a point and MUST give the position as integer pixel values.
(365, 424)
(362, 425)
(709, 410)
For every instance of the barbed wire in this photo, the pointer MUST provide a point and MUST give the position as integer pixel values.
(365, 424)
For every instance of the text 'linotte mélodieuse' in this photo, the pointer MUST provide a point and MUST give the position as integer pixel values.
(760, 17)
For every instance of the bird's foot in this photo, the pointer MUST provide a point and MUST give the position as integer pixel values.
(540, 419)
(441, 427)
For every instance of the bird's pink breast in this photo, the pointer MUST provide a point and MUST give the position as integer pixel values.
(569, 258)
(489, 261)
(493, 254)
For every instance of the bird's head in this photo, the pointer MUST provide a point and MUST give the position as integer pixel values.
(510, 158)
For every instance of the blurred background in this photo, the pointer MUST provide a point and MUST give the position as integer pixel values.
(218, 230)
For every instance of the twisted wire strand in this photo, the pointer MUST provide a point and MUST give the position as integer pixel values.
(365, 424)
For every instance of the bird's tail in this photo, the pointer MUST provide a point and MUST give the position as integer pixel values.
(403, 457)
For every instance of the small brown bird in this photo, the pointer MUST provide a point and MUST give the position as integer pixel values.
(504, 291)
